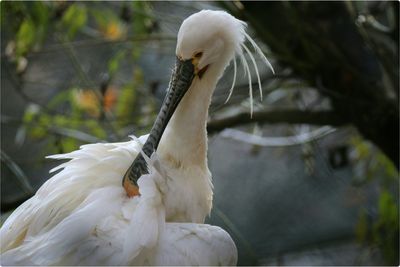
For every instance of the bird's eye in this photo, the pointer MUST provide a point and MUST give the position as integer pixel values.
(198, 54)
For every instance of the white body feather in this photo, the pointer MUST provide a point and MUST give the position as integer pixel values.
(82, 215)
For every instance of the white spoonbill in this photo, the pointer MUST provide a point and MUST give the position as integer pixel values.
(83, 216)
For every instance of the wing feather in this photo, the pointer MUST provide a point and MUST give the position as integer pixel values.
(82, 216)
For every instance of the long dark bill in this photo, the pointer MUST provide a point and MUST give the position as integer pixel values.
(180, 82)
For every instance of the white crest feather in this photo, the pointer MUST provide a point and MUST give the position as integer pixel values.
(246, 68)
(234, 80)
(259, 52)
(248, 73)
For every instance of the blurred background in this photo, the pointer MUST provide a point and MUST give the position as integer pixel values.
(311, 179)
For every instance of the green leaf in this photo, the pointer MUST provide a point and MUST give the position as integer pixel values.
(102, 17)
(142, 17)
(37, 132)
(95, 129)
(25, 37)
(386, 229)
(74, 19)
(109, 24)
(69, 144)
(41, 16)
(60, 120)
(128, 97)
(30, 113)
(45, 119)
(126, 100)
(40, 13)
(61, 97)
(388, 166)
(114, 62)
(387, 207)
(12, 14)
(136, 52)
(362, 226)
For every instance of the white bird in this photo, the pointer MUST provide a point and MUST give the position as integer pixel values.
(83, 216)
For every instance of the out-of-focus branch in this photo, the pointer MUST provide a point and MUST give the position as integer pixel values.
(73, 133)
(280, 141)
(9, 205)
(78, 135)
(278, 116)
(18, 172)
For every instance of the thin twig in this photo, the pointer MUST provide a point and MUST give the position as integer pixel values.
(78, 135)
(102, 41)
(18, 172)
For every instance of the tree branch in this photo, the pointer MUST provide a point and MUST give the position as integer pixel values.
(278, 116)
(280, 141)
(18, 172)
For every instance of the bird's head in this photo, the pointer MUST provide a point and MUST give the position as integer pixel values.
(209, 40)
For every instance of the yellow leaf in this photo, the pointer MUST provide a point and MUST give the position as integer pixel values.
(87, 101)
(115, 31)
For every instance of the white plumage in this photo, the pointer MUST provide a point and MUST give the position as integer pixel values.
(83, 216)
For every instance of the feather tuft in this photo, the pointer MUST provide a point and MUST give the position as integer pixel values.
(234, 80)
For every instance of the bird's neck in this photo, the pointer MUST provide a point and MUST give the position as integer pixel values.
(184, 142)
